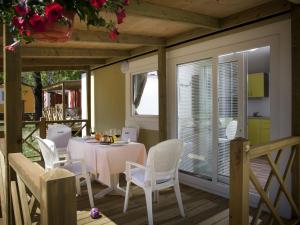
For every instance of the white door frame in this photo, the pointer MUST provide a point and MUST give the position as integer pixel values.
(277, 37)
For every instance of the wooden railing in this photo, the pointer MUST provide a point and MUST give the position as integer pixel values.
(40, 127)
(241, 174)
(42, 193)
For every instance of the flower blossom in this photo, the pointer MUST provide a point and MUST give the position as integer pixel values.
(53, 12)
(97, 3)
(37, 22)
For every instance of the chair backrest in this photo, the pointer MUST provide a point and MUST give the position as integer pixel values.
(231, 130)
(60, 134)
(163, 160)
(130, 133)
(49, 152)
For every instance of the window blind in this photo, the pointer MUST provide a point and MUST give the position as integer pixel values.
(227, 109)
(194, 115)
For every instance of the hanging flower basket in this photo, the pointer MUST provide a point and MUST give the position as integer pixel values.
(55, 32)
(52, 20)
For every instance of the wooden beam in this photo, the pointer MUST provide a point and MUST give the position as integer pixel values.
(102, 37)
(58, 197)
(146, 9)
(162, 86)
(31, 52)
(239, 182)
(12, 109)
(205, 34)
(63, 102)
(247, 16)
(256, 13)
(88, 101)
(295, 21)
(28, 62)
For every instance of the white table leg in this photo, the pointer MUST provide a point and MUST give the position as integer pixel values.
(114, 189)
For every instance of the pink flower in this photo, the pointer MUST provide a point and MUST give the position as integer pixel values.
(53, 12)
(37, 22)
(10, 48)
(113, 34)
(22, 9)
(18, 22)
(120, 15)
(97, 3)
(126, 2)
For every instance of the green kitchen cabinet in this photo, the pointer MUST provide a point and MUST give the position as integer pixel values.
(258, 130)
(258, 85)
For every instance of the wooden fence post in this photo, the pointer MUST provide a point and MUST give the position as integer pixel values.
(43, 128)
(58, 198)
(239, 182)
(88, 101)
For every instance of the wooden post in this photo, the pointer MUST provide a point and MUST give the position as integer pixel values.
(43, 128)
(12, 110)
(239, 182)
(58, 198)
(162, 86)
(88, 101)
(295, 20)
(63, 100)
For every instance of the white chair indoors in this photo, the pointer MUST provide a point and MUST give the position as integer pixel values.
(60, 134)
(230, 132)
(130, 133)
(160, 172)
(77, 167)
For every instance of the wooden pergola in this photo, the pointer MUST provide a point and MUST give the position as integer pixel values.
(151, 26)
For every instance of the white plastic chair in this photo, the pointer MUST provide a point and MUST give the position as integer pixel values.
(130, 133)
(77, 166)
(60, 134)
(230, 132)
(160, 172)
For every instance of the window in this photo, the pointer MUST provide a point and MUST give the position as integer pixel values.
(145, 94)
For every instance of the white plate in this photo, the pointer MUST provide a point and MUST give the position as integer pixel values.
(119, 144)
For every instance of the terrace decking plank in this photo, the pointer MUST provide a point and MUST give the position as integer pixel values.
(198, 205)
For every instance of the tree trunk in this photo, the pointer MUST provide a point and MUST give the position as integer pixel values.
(38, 95)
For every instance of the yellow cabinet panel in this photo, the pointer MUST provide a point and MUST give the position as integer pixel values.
(258, 130)
(253, 127)
(256, 85)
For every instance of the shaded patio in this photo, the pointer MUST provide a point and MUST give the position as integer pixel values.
(85, 52)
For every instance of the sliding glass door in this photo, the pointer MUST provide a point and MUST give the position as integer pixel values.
(194, 115)
(210, 110)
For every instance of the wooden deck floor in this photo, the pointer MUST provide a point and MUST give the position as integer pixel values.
(198, 205)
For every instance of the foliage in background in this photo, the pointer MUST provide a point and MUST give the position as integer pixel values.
(52, 77)
(49, 77)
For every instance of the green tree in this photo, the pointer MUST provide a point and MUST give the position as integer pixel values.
(51, 77)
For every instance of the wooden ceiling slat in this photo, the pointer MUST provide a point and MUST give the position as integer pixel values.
(99, 36)
(166, 13)
(61, 62)
(28, 52)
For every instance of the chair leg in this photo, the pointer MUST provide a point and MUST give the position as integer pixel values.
(78, 188)
(179, 200)
(126, 197)
(148, 195)
(89, 188)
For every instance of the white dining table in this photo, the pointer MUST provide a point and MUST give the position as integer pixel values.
(106, 162)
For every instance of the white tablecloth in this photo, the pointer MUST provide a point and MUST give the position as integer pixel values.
(106, 160)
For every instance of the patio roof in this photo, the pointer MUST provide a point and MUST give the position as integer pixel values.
(150, 24)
